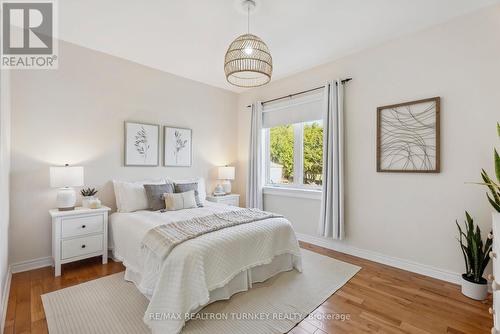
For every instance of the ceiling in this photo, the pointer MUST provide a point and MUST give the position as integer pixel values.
(189, 37)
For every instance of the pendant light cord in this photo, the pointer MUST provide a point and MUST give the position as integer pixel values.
(248, 18)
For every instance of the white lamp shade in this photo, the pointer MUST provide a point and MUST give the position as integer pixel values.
(226, 173)
(66, 177)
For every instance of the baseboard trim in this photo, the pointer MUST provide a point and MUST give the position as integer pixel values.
(5, 298)
(31, 264)
(423, 269)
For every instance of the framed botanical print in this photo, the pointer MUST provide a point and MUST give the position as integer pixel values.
(142, 144)
(177, 148)
(408, 137)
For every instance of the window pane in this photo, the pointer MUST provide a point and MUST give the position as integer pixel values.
(313, 153)
(281, 154)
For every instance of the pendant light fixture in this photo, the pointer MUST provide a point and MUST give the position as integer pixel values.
(248, 61)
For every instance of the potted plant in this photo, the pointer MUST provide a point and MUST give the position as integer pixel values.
(476, 257)
(88, 195)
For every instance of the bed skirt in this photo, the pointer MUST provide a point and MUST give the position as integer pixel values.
(241, 282)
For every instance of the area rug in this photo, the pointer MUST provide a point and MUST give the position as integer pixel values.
(111, 305)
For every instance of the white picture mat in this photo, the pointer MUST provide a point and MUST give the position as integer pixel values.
(177, 147)
(141, 144)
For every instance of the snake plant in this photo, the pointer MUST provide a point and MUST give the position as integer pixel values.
(475, 251)
(493, 186)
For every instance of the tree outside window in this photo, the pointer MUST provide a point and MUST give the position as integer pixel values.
(313, 153)
(281, 142)
(296, 149)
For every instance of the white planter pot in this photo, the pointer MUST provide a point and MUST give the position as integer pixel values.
(86, 201)
(91, 202)
(474, 290)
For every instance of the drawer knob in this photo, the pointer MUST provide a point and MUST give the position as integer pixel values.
(83, 246)
(490, 235)
(491, 310)
(84, 226)
(490, 277)
(493, 255)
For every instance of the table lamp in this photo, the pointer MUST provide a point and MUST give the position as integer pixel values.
(65, 178)
(226, 173)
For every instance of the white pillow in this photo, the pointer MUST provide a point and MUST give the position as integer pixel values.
(178, 201)
(202, 193)
(131, 196)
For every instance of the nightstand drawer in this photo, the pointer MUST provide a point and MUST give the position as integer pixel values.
(81, 246)
(233, 201)
(76, 226)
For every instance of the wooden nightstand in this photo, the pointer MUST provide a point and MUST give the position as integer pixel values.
(79, 234)
(231, 199)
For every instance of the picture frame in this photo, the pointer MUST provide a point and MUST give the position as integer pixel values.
(177, 146)
(141, 144)
(409, 137)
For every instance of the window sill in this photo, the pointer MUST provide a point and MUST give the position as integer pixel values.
(292, 192)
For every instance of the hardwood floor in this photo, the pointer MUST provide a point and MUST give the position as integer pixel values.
(379, 299)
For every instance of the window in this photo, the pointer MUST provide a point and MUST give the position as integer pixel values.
(293, 143)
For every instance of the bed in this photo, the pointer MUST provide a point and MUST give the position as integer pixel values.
(199, 271)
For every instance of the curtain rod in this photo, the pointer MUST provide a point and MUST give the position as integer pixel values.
(299, 93)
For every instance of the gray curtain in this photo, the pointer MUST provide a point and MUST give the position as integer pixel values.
(254, 178)
(331, 223)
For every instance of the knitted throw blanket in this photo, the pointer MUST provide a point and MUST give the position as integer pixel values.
(163, 238)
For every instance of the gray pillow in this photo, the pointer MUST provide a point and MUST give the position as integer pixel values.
(154, 193)
(183, 187)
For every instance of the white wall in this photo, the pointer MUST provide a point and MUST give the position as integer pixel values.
(4, 183)
(76, 115)
(408, 216)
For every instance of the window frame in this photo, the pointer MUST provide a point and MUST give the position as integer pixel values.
(298, 161)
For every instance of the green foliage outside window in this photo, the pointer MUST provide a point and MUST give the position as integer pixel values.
(313, 153)
(281, 151)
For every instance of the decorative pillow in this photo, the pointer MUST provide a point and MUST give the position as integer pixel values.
(131, 196)
(183, 187)
(154, 193)
(178, 201)
(202, 194)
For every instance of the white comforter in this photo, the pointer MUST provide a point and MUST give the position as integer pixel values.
(182, 282)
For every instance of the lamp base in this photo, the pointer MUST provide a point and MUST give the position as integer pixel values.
(66, 199)
(226, 184)
(66, 209)
(219, 191)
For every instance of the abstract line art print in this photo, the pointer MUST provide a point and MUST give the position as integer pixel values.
(408, 137)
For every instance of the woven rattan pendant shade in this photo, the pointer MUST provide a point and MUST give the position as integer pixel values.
(248, 62)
